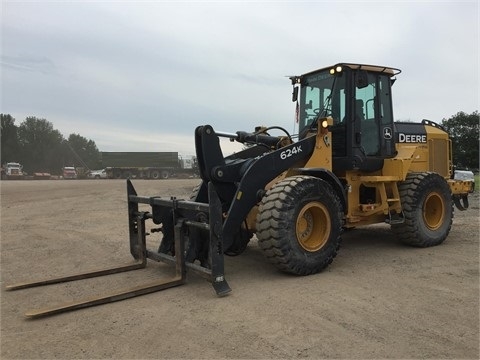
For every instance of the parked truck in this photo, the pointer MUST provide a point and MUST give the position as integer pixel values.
(146, 165)
(12, 171)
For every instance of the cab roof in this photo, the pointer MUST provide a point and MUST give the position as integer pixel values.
(374, 68)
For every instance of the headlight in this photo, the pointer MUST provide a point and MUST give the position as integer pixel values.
(336, 70)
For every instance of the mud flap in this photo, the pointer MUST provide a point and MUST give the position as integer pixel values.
(461, 202)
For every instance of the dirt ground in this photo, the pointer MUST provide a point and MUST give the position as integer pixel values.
(378, 299)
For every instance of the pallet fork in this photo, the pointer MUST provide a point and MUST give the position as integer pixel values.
(181, 212)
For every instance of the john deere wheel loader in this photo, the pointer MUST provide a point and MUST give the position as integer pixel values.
(351, 165)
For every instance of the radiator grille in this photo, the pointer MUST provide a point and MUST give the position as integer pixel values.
(439, 159)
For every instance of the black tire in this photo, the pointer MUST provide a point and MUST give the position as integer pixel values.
(155, 174)
(428, 209)
(299, 225)
(195, 191)
(165, 174)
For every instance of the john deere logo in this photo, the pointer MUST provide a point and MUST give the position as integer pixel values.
(387, 133)
(412, 138)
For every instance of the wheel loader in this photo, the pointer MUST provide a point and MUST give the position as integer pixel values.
(350, 165)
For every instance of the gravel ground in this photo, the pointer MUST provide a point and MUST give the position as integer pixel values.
(378, 299)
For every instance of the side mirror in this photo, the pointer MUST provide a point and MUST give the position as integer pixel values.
(295, 93)
(361, 79)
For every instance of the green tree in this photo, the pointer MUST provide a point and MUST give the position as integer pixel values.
(82, 152)
(464, 132)
(9, 139)
(41, 146)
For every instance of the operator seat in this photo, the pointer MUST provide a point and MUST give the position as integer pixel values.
(359, 110)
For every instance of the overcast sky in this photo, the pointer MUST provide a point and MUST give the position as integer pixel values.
(140, 76)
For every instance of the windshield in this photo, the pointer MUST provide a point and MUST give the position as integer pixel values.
(321, 95)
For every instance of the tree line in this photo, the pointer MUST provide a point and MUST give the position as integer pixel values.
(464, 132)
(41, 148)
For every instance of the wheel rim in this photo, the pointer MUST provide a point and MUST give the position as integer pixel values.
(313, 226)
(433, 211)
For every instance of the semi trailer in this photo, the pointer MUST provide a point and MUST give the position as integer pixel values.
(146, 165)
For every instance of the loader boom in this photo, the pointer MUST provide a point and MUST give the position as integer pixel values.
(240, 183)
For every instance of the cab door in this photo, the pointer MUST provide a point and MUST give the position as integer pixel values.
(373, 116)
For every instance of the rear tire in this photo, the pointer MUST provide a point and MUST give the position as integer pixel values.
(428, 209)
(299, 225)
(165, 174)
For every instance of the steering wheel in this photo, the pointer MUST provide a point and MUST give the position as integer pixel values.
(326, 111)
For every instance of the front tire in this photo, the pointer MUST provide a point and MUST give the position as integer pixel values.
(299, 225)
(428, 210)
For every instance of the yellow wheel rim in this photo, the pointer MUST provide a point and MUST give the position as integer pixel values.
(313, 226)
(433, 211)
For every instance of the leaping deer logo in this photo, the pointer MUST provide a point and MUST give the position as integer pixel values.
(387, 133)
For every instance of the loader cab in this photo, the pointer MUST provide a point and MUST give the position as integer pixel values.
(358, 98)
